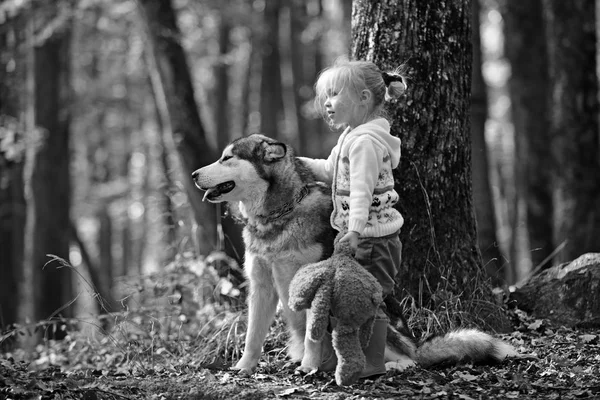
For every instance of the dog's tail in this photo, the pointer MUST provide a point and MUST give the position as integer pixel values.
(463, 345)
(455, 347)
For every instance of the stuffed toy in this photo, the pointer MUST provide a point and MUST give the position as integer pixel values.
(341, 288)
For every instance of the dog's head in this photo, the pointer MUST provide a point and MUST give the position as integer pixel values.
(245, 170)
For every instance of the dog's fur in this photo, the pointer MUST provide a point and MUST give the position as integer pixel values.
(286, 217)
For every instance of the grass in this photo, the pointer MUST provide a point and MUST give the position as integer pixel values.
(182, 316)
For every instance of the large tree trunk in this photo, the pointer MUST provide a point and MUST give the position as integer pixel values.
(441, 258)
(571, 37)
(528, 85)
(47, 179)
(493, 261)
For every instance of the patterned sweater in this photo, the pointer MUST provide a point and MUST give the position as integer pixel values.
(359, 169)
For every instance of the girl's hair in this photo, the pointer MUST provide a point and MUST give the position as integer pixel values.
(356, 76)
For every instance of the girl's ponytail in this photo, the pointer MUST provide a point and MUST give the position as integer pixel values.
(395, 85)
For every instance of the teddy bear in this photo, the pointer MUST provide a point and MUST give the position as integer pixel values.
(339, 287)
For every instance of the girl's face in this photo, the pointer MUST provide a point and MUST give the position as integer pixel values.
(342, 109)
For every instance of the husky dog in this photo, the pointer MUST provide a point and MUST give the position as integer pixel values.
(286, 217)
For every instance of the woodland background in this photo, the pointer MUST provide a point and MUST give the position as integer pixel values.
(116, 281)
(95, 196)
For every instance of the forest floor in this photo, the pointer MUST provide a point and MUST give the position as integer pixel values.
(561, 363)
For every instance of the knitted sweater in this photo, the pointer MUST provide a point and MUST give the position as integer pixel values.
(359, 169)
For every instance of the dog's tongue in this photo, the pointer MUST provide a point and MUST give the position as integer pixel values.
(208, 191)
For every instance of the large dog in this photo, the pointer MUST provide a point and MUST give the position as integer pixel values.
(286, 217)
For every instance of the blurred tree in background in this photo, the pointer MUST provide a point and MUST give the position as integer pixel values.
(107, 106)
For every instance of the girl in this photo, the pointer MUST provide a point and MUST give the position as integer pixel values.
(351, 95)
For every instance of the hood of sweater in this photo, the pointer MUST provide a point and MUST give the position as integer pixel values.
(379, 129)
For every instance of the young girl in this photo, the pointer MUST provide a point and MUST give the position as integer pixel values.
(351, 95)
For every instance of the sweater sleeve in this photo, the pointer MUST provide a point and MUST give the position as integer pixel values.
(364, 171)
(323, 169)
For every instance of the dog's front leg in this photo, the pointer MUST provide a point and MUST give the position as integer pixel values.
(311, 359)
(262, 304)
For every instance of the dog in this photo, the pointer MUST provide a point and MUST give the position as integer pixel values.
(286, 217)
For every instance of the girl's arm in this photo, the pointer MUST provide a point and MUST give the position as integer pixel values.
(321, 168)
(364, 171)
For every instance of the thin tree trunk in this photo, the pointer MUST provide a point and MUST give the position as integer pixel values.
(47, 179)
(12, 203)
(493, 261)
(571, 38)
(528, 85)
(441, 258)
(165, 142)
(187, 129)
(222, 84)
(271, 93)
(298, 53)
(105, 256)
(250, 84)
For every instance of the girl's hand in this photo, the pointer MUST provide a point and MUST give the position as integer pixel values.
(352, 238)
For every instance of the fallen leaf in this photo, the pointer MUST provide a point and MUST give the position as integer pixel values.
(588, 338)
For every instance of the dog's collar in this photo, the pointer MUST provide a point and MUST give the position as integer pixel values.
(287, 208)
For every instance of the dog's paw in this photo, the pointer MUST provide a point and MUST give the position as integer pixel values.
(244, 368)
(305, 370)
(241, 371)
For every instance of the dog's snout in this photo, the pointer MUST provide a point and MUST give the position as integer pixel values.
(195, 175)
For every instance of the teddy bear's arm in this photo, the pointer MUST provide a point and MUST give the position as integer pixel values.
(305, 284)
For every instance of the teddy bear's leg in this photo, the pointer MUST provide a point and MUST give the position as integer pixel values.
(351, 359)
(328, 357)
(318, 318)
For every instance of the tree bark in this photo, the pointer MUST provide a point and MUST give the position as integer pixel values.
(47, 179)
(493, 261)
(571, 38)
(271, 96)
(298, 53)
(441, 258)
(528, 85)
(222, 84)
(12, 202)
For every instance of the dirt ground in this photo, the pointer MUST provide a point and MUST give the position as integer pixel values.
(560, 363)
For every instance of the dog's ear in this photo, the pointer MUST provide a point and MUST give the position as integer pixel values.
(274, 151)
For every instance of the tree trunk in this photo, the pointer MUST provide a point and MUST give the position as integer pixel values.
(493, 261)
(47, 179)
(12, 202)
(271, 96)
(105, 257)
(441, 258)
(528, 85)
(571, 37)
(222, 84)
(187, 129)
(298, 53)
